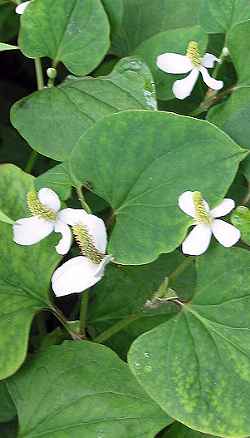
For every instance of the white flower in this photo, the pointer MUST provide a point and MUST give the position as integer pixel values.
(82, 272)
(21, 7)
(191, 62)
(206, 223)
(46, 218)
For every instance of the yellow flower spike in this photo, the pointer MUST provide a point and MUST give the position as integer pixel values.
(38, 209)
(86, 245)
(201, 213)
(193, 53)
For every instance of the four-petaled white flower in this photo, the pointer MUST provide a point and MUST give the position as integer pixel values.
(191, 62)
(21, 7)
(206, 223)
(46, 218)
(82, 272)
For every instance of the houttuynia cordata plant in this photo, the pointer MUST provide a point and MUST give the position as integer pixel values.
(124, 219)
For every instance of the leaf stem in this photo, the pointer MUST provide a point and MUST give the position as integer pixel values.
(64, 323)
(39, 74)
(40, 85)
(120, 325)
(82, 199)
(104, 336)
(181, 268)
(211, 96)
(31, 161)
(83, 312)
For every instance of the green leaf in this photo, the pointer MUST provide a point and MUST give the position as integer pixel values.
(56, 179)
(24, 273)
(175, 41)
(115, 12)
(53, 120)
(180, 431)
(198, 380)
(239, 46)
(158, 156)
(7, 407)
(5, 218)
(8, 21)
(246, 167)
(4, 47)
(241, 219)
(233, 115)
(136, 306)
(220, 16)
(69, 31)
(82, 390)
(143, 19)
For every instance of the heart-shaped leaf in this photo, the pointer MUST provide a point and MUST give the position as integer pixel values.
(53, 120)
(157, 157)
(115, 13)
(71, 31)
(24, 273)
(220, 16)
(233, 115)
(82, 389)
(198, 362)
(150, 18)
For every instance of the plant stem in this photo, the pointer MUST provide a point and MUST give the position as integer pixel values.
(116, 328)
(127, 321)
(63, 321)
(82, 199)
(212, 95)
(83, 312)
(181, 268)
(40, 85)
(39, 74)
(31, 161)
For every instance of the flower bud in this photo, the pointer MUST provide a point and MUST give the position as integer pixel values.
(51, 73)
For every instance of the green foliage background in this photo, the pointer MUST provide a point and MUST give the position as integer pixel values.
(108, 128)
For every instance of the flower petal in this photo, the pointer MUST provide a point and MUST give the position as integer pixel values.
(49, 198)
(75, 276)
(65, 242)
(174, 63)
(21, 8)
(197, 242)
(107, 259)
(183, 88)
(72, 216)
(97, 230)
(223, 208)
(186, 203)
(209, 81)
(209, 60)
(31, 230)
(225, 233)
